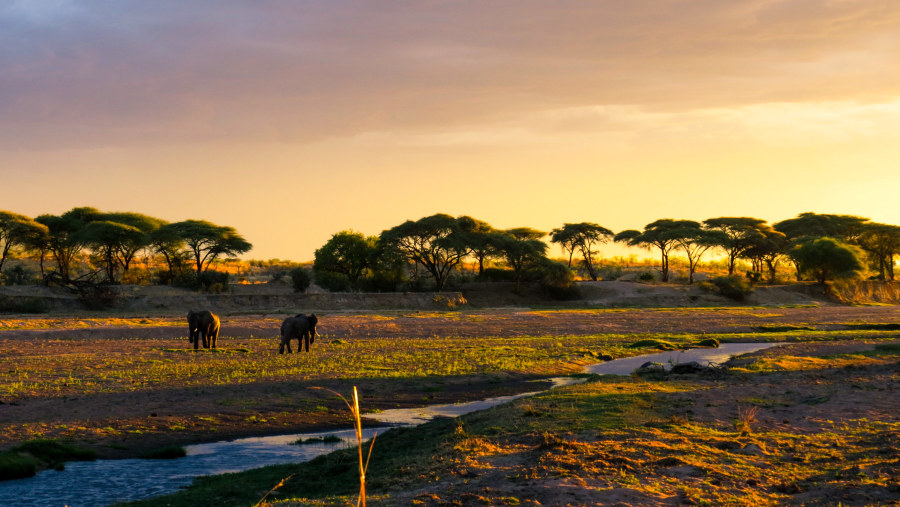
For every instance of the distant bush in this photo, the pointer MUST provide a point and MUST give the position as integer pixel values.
(53, 451)
(23, 305)
(19, 275)
(14, 465)
(300, 279)
(214, 282)
(497, 275)
(657, 344)
(646, 276)
(332, 282)
(732, 287)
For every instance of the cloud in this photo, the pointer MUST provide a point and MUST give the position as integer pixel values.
(132, 73)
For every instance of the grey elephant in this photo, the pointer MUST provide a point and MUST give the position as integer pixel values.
(204, 325)
(300, 327)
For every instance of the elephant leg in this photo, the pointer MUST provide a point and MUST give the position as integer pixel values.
(281, 347)
(214, 338)
(305, 341)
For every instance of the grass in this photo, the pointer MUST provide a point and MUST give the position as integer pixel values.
(25, 459)
(612, 432)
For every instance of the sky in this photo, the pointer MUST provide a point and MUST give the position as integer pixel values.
(292, 120)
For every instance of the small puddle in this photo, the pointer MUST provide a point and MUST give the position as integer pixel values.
(103, 482)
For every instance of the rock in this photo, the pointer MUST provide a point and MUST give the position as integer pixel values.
(686, 368)
(650, 368)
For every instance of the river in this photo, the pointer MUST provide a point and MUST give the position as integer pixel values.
(103, 482)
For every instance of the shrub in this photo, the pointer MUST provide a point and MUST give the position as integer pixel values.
(497, 275)
(332, 282)
(658, 344)
(646, 276)
(53, 451)
(23, 305)
(214, 281)
(14, 465)
(732, 287)
(19, 275)
(300, 279)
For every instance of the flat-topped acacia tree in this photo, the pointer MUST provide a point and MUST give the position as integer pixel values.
(207, 241)
(438, 243)
(583, 236)
(17, 230)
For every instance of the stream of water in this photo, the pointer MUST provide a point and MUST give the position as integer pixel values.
(103, 482)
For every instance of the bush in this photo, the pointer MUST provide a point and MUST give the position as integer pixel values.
(214, 282)
(23, 305)
(497, 275)
(300, 279)
(14, 465)
(332, 282)
(19, 275)
(657, 344)
(646, 276)
(52, 451)
(732, 287)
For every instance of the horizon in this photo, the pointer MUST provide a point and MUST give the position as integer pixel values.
(294, 121)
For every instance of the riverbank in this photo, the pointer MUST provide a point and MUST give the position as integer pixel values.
(736, 439)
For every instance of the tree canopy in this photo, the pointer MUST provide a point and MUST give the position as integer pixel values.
(207, 241)
(827, 259)
(583, 236)
(438, 243)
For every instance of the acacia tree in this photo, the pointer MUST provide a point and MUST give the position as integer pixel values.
(108, 239)
(827, 259)
(663, 234)
(882, 243)
(63, 240)
(206, 241)
(583, 237)
(522, 248)
(131, 243)
(739, 234)
(167, 241)
(438, 243)
(807, 226)
(17, 230)
(482, 239)
(348, 254)
(694, 240)
(766, 250)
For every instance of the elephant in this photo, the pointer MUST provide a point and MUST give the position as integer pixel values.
(203, 325)
(300, 327)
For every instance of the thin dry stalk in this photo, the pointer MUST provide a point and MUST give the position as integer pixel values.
(280, 484)
(357, 426)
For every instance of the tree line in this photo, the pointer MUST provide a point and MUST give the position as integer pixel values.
(426, 253)
(112, 241)
(817, 246)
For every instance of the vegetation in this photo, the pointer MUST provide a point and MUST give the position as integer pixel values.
(431, 253)
(702, 442)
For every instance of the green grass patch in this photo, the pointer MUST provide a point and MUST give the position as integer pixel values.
(652, 343)
(14, 465)
(53, 451)
(782, 328)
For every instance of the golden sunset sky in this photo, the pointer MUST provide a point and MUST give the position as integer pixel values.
(293, 120)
